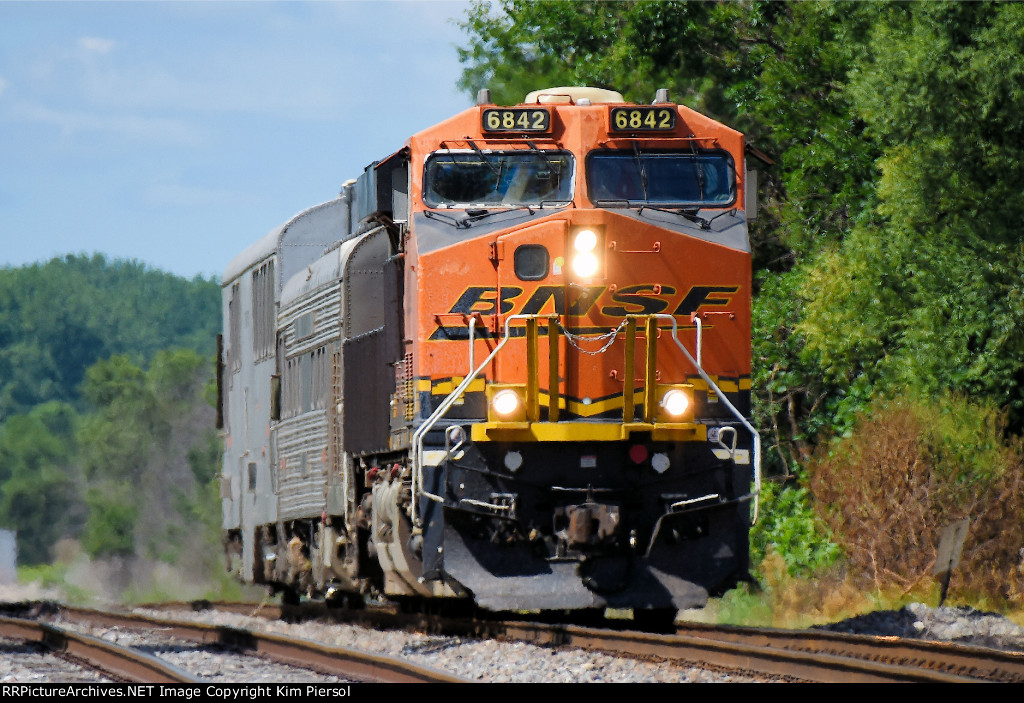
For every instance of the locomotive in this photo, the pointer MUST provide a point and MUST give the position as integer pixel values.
(509, 365)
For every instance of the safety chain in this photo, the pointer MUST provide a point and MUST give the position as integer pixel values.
(574, 339)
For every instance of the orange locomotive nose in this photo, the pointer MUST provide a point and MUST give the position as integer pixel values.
(629, 267)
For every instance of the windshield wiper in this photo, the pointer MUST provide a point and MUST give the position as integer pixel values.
(690, 215)
(608, 202)
(643, 169)
(477, 214)
(555, 166)
(697, 171)
(473, 215)
(495, 170)
(455, 222)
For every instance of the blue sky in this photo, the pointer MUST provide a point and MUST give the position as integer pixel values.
(177, 133)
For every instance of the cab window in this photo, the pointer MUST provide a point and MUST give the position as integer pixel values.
(498, 178)
(661, 178)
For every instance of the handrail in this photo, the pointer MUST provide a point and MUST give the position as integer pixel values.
(472, 339)
(755, 437)
(446, 404)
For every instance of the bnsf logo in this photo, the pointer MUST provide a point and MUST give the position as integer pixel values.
(640, 299)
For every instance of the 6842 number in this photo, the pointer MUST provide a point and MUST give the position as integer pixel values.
(629, 119)
(517, 120)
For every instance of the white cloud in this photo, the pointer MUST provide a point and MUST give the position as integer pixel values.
(96, 45)
(133, 127)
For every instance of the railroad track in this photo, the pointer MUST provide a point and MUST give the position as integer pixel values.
(132, 665)
(807, 655)
(120, 663)
(961, 661)
(799, 655)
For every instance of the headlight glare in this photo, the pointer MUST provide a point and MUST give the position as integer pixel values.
(585, 240)
(505, 402)
(584, 264)
(675, 402)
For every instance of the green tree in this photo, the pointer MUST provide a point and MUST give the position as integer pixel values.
(58, 318)
(38, 479)
(929, 295)
(145, 451)
(693, 49)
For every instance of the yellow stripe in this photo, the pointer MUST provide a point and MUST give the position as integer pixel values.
(727, 385)
(446, 386)
(585, 431)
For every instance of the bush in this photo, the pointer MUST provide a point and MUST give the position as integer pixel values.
(912, 467)
(788, 526)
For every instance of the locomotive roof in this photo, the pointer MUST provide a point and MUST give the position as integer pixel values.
(272, 242)
(324, 270)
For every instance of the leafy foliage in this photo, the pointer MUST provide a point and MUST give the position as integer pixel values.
(930, 294)
(142, 450)
(633, 47)
(789, 527)
(38, 479)
(58, 318)
(123, 455)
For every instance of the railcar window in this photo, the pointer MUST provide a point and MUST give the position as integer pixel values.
(234, 333)
(505, 178)
(305, 383)
(291, 387)
(681, 178)
(263, 311)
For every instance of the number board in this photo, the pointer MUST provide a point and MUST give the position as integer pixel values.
(517, 119)
(636, 119)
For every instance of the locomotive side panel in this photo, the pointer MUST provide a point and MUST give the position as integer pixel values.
(370, 348)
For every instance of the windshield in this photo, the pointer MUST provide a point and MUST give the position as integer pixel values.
(705, 179)
(462, 179)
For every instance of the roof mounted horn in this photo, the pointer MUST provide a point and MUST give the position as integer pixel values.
(573, 95)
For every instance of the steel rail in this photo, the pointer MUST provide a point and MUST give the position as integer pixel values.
(959, 659)
(340, 661)
(120, 662)
(812, 655)
(816, 667)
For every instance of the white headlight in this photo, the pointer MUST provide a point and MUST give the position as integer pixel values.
(675, 402)
(505, 402)
(586, 240)
(584, 264)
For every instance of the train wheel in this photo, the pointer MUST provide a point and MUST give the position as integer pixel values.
(655, 620)
(289, 596)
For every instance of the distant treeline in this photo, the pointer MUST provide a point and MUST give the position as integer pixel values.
(60, 317)
(106, 424)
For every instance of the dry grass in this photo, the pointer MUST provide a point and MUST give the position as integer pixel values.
(910, 470)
